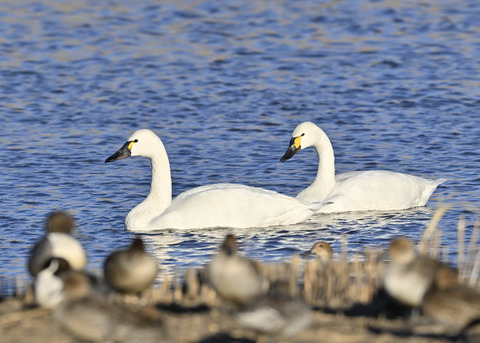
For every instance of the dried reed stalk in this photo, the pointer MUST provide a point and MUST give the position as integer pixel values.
(470, 260)
(429, 231)
(472, 280)
(461, 248)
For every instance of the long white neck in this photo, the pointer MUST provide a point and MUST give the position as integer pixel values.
(325, 179)
(161, 187)
(160, 196)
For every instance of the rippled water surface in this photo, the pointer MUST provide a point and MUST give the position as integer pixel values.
(395, 85)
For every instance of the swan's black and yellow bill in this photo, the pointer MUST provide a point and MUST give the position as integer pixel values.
(123, 152)
(295, 146)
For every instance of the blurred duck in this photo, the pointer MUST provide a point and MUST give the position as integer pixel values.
(277, 314)
(321, 250)
(457, 306)
(409, 277)
(235, 278)
(131, 270)
(48, 287)
(355, 191)
(57, 244)
(85, 314)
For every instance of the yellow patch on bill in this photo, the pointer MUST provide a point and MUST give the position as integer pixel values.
(130, 145)
(296, 141)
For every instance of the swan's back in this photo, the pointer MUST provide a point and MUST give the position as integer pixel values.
(232, 205)
(379, 190)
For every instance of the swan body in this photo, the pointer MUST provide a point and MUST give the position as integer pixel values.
(217, 205)
(360, 190)
(232, 205)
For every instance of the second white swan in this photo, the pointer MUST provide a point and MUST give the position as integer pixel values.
(216, 205)
(359, 190)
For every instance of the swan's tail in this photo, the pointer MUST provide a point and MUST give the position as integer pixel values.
(439, 182)
(428, 191)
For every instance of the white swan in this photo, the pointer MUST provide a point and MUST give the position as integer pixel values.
(356, 191)
(217, 205)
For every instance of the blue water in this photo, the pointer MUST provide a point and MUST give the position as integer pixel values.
(395, 85)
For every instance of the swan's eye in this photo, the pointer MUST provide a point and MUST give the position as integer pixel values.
(303, 134)
(135, 141)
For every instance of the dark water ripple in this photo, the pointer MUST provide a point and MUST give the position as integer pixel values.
(394, 85)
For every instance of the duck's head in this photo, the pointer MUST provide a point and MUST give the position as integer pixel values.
(59, 222)
(76, 284)
(137, 246)
(323, 250)
(141, 143)
(229, 246)
(304, 135)
(401, 251)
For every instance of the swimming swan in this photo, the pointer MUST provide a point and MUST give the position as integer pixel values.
(360, 190)
(216, 205)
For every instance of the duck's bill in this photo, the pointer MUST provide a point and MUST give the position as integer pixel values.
(307, 253)
(122, 153)
(291, 151)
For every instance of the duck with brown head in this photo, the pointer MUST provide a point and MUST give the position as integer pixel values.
(409, 276)
(130, 270)
(322, 250)
(86, 315)
(235, 278)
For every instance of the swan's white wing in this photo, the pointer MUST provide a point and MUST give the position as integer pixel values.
(379, 190)
(232, 205)
(234, 187)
